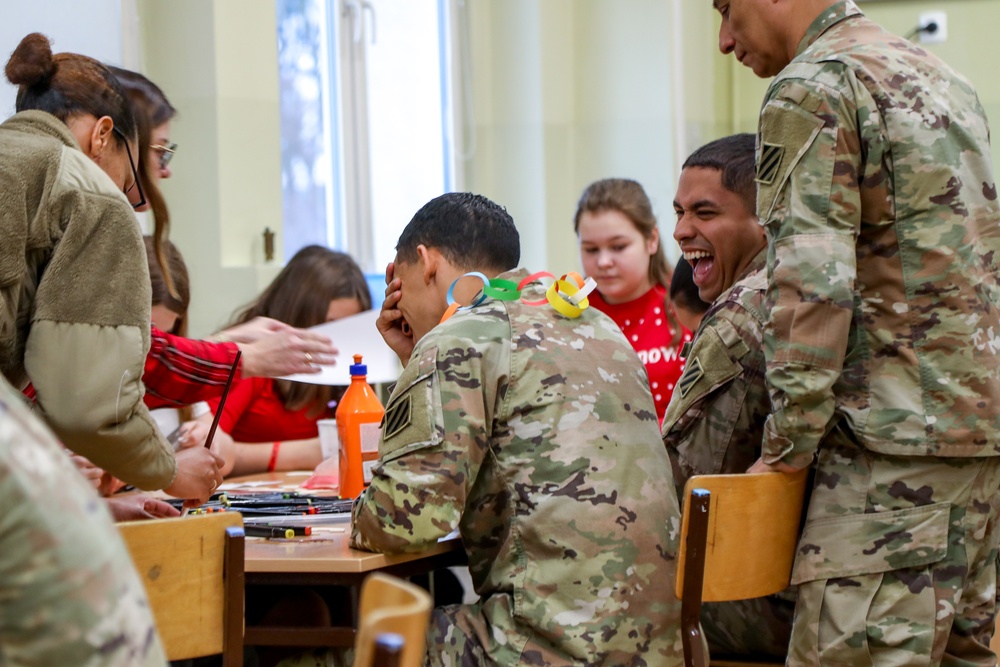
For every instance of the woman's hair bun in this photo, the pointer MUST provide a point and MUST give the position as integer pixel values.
(31, 63)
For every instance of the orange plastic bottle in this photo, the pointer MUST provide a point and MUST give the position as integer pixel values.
(359, 424)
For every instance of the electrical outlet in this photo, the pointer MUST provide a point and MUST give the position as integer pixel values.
(941, 34)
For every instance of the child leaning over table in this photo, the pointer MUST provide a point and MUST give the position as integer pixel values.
(270, 425)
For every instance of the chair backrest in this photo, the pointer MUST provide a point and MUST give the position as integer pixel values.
(738, 538)
(192, 568)
(391, 605)
(752, 529)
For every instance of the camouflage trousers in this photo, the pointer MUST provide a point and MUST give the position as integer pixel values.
(757, 628)
(453, 642)
(460, 636)
(897, 564)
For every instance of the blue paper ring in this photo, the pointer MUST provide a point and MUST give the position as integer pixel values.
(475, 302)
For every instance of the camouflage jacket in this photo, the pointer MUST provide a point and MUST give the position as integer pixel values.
(715, 420)
(68, 592)
(875, 184)
(536, 437)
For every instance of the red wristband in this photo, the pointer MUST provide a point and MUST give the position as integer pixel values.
(274, 456)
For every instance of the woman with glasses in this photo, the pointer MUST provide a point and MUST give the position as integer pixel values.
(180, 371)
(153, 113)
(74, 287)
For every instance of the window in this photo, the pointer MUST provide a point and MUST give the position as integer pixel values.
(365, 121)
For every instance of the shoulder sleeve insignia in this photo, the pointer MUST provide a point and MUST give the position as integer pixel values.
(692, 373)
(770, 160)
(396, 418)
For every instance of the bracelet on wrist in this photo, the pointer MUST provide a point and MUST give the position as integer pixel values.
(274, 456)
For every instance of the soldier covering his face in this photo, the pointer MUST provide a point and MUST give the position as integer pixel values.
(534, 434)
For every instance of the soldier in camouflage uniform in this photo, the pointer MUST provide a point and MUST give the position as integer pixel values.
(68, 592)
(535, 436)
(715, 421)
(876, 189)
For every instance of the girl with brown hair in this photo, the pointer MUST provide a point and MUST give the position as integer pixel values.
(620, 249)
(317, 285)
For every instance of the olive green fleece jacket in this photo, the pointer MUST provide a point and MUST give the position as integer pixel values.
(75, 300)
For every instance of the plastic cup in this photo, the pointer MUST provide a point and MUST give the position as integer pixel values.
(329, 440)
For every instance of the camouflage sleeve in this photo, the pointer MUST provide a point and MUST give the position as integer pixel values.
(435, 436)
(714, 421)
(70, 594)
(809, 157)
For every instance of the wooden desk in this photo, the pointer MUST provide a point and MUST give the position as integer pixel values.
(325, 559)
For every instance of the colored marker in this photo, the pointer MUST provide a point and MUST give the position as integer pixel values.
(268, 531)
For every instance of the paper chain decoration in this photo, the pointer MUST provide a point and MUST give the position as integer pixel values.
(567, 294)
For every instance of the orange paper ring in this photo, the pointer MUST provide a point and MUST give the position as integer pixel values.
(452, 309)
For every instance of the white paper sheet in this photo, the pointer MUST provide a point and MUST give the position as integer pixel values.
(355, 335)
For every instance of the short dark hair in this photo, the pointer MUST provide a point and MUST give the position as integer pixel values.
(683, 291)
(471, 232)
(734, 157)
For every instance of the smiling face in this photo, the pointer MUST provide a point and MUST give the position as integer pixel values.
(616, 254)
(716, 231)
(750, 30)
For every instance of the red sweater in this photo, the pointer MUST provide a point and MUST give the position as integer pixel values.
(254, 413)
(180, 371)
(643, 322)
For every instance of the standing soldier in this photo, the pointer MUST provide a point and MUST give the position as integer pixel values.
(876, 189)
(533, 433)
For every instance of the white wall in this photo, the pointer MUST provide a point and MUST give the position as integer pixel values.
(226, 186)
(566, 92)
(90, 27)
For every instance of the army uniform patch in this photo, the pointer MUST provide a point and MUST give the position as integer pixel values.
(692, 373)
(770, 160)
(397, 417)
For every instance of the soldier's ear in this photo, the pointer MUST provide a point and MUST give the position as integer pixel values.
(429, 260)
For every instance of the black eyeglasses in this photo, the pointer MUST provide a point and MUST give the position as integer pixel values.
(166, 153)
(135, 172)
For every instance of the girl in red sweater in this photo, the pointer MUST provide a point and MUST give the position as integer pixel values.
(271, 424)
(620, 249)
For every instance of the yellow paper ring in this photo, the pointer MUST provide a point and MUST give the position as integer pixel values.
(558, 296)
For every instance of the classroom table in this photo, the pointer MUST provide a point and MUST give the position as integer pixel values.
(325, 559)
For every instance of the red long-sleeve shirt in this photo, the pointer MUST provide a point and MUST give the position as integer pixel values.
(180, 371)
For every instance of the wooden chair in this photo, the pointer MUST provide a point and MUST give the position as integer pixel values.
(738, 537)
(391, 605)
(192, 568)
